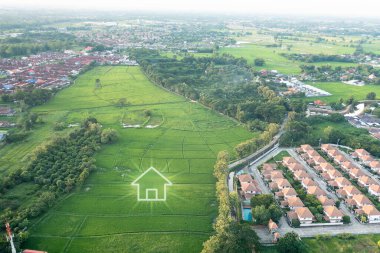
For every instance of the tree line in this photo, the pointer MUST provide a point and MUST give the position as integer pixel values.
(222, 82)
(230, 236)
(56, 168)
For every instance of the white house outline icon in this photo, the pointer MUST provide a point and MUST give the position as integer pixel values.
(135, 183)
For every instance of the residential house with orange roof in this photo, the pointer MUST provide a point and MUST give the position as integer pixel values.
(374, 166)
(287, 160)
(358, 201)
(366, 160)
(332, 214)
(293, 167)
(307, 182)
(339, 182)
(300, 175)
(339, 159)
(359, 153)
(269, 166)
(286, 193)
(272, 226)
(355, 173)
(316, 191)
(326, 201)
(348, 192)
(365, 181)
(304, 215)
(374, 190)
(347, 166)
(371, 212)
(326, 147)
(245, 178)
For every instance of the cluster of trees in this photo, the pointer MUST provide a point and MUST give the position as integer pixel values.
(313, 130)
(29, 97)
(328, 73)
(55, 168)
(33, 43)
(230, 236)
(223, 83)
(291, 243)
(264, 208)
(320, 58)
(248, 147)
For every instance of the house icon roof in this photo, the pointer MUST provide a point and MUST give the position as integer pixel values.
(151, 185)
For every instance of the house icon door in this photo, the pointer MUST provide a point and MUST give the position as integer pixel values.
(151, 186)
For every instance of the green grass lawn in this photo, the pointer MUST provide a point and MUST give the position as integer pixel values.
(104, 215)
(345, 91)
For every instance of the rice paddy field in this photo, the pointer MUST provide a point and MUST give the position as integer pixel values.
(345, 91)
(275, 61)
(180, 139)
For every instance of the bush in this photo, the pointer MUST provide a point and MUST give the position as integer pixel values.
(259, 62)
(59, 126)
(296, 223)
(108, 136)
(346, 219)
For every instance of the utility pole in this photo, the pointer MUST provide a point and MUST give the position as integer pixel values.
(10, 237)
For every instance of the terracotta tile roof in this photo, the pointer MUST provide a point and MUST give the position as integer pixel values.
(272, 225)
(269, 166)
(295, 202)
(326, 166)
(289, 160)
(245, 178)
(325, 201)
(304, 213)
(308, 182)
(282, 183)
(316, 190)
(300, 174)
(249, 187)
(374, 164)
(374, 188)
(306, 147)
(295, 167)
(370, 210)
(361, 152)
(361, 200)
(289, 192)
(365, 180)
(332, 211)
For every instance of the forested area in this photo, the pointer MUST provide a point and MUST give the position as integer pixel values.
(221, 82)
(33, 43)
(327, 129)
(55, 169)
(320, 58)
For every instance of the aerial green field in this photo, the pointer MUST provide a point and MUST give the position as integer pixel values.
(180, 139)
(273, 61)
(345, 91)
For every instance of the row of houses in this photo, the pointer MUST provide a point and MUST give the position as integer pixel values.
(331, 213)
(248, 187)
(367, 160)
(353, 197)
(51, 69)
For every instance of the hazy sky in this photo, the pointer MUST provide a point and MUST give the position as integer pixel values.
(369, 8)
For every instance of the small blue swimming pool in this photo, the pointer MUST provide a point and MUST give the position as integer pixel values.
(247, 214)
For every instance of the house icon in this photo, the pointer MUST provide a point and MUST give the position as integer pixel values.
(151, 186)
